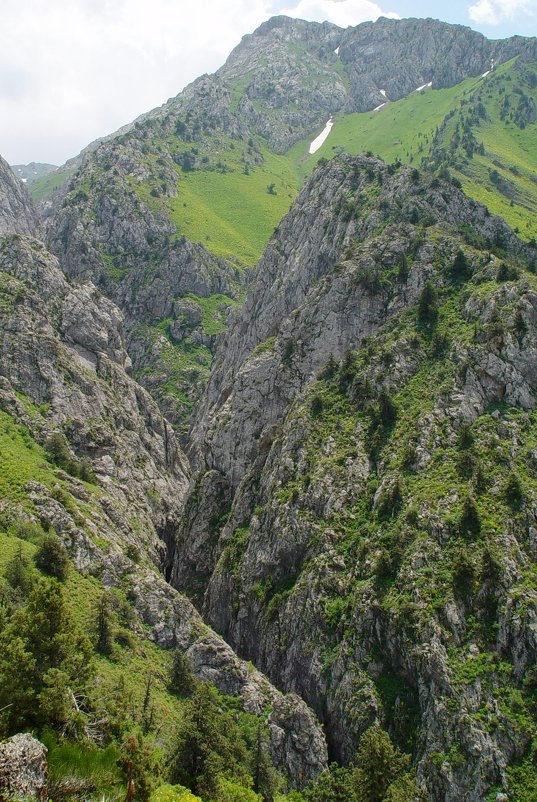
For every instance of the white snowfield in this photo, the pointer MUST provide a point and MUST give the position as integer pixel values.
(336, 51)
(383, 93)
(318, 141)
(486, 73)
(425, 86)
(380, 107)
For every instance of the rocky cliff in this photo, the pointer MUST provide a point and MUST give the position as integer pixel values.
(91, 457)
(365, 466)
(16, 210)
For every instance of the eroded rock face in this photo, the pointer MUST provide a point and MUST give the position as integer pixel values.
(23, 770)
(308, 582)
(401, 55)
(16, 209)
(64, 368)
(62, 346)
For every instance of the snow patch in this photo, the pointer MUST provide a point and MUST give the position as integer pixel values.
(24, 180)
(380, 107)
(486, 73)
(425, 86)
(336, 51)
(318, 141)
(383, 93)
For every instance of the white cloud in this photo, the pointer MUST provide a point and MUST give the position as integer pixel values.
(341, 12)
(493, 12)
(70, 72)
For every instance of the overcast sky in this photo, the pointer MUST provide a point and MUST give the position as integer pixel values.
(74, 70)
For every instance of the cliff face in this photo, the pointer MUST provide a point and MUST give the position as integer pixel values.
(356, 528)
(401, 55)
(358, 519)
(116, 492)
(16, 210)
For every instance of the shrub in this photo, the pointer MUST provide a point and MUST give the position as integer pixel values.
(514, 492)
(469, 522)
(57, 450)
(52, 558)
(428, 306)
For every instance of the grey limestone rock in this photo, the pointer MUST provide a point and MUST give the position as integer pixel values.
(23, 769)
(17, 213)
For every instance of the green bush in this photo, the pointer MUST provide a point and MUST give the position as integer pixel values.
(52, 558)
(469, 522)
(427, 314)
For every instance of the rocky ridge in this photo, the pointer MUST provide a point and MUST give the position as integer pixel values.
(64, 371)
(325, 549)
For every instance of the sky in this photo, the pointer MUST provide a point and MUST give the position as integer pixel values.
(74, 70)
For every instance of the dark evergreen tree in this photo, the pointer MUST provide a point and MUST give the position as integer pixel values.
(182, 681)
(470, 522)
(44, 661)
(19, 573)
(379, 764)
(52, 557)
(104, 627)
(428, 306)
(209, 744)
(460, 269)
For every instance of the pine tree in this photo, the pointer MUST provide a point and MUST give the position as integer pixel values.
(379, 764)
(181, 681)
(208, 745)
(428, 306)
(44, 659)
(104, 628)
(52, 558)
(19, 574)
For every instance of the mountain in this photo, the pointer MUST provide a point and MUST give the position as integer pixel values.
(89, 461)
(213, 171)
(16, 209)
(331, 462)
(30, 173)
(366, 444)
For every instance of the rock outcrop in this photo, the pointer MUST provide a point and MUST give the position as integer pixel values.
(23, 770)
(16, 210)
(64, 371)
(339, 490)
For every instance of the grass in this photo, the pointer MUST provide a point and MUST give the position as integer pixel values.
(21, 461)
(44, 186)
(398, 131)
(233, 214)
(213, 311)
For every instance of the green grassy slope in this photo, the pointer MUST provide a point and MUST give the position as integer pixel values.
(48, 183)
(129, 688)
(402, 130)
(233, 213)
(230, 211)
